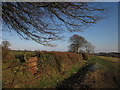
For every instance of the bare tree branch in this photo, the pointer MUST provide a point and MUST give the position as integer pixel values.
(44, 21)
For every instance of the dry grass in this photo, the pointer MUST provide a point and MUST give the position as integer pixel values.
(109, 58)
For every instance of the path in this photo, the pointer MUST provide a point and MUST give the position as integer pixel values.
(74, 80)
(92, 78)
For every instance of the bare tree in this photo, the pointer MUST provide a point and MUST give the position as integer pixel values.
(89, 48)
(77, 42)
(71, 48)
(43, 21)
(5, 48)
(6, 44)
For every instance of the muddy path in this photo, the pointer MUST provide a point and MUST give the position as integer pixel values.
(90, 77)
(101, 79)
(74, 81)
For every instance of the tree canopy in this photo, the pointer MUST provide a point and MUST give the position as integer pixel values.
(6, 44)
(43, 21)
(5, 48)
(77, 42)
(89, 48)
(80, 44)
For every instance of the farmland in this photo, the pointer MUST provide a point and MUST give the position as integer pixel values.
(59, 69)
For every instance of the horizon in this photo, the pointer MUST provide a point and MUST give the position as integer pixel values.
(58, 51)
(103, 35)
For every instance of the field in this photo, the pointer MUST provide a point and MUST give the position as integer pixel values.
(59, 69)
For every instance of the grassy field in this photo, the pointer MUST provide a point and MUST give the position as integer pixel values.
(105, 63)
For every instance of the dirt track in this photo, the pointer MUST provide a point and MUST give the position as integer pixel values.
(87, 78)
(101, 79)
(95, 79)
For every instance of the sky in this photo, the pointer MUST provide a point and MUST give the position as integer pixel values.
(103, 35)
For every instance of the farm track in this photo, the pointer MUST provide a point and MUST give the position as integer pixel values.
(74, 81)
(91, 78)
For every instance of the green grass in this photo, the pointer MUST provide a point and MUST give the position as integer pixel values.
(46, 81)
(56, 69)
(104, 63)
(51, 80)
(50, 76)
(21, 52)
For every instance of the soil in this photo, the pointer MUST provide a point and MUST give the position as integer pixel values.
(87, 78)
(101, 79)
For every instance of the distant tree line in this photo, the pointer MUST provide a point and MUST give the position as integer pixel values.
(109, 54)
